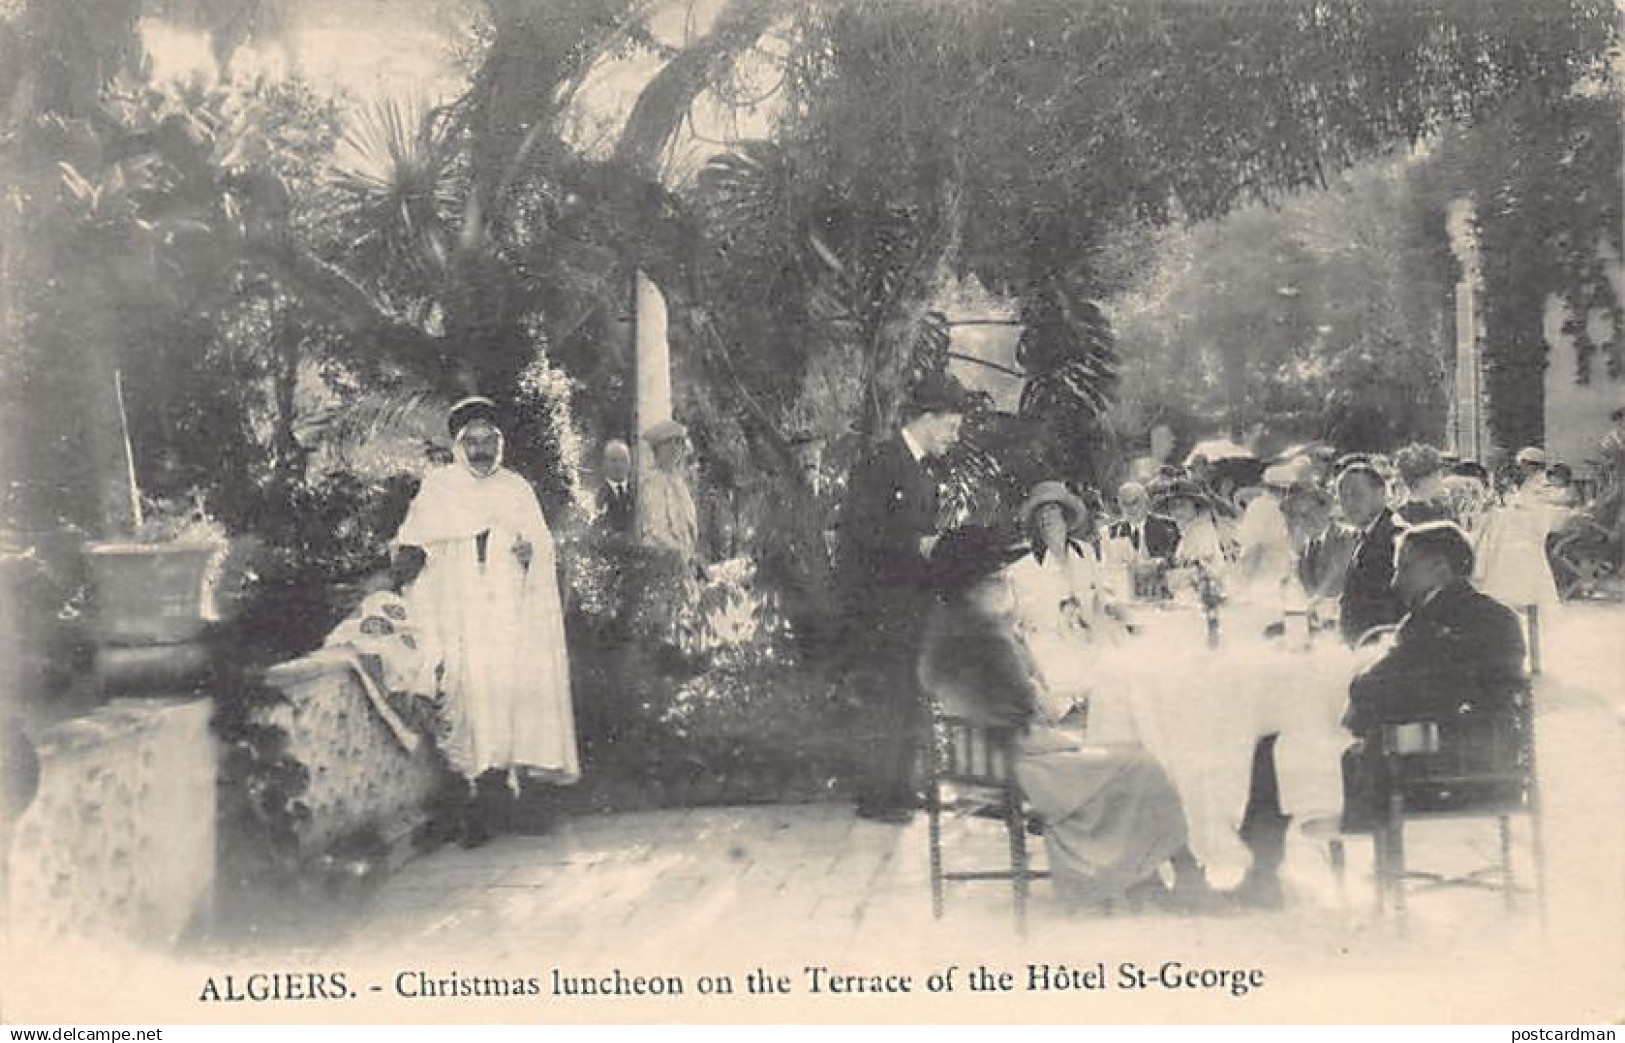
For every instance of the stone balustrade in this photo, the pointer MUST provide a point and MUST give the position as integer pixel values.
(361, 772)
(120, 841)
(120, 838)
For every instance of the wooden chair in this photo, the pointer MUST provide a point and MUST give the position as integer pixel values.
(1488, 764)
(970, 771)
(1460, 769)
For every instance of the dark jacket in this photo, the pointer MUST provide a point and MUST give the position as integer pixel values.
(975, 666)
(1160, 534)
(1461, 648)
(1324, 564)
(615, 513)
(891, 502)
(1368, 598)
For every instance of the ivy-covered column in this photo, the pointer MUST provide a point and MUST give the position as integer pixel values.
(1468, 431)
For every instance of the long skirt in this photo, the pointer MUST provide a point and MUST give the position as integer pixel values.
(1111, 815)
(1512, 566)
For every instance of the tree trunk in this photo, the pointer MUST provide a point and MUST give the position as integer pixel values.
(665, 101)
(896, 327)
(286, 451)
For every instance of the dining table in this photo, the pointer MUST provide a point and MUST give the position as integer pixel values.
(1200, 690)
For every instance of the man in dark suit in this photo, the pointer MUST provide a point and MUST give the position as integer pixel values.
(1327, 544)
(1151, 535)
(887, 530)
(1456, 661)
(1368, 597)
(615, 511)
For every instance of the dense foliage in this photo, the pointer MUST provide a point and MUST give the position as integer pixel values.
(271, 277)
(1545, 180)
(1321, 317)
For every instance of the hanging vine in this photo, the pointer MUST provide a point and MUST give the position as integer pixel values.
(1546, 181)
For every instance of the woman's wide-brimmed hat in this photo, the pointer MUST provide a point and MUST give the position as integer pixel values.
(1287, 474)
(1056, 493)
(966, 556)
(1165, 493)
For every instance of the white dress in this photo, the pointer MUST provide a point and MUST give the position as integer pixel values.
(1266, 548)
(1201, 542)
(494, 631)
(1060, 614)
(1512, 566)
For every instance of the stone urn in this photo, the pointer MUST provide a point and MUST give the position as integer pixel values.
(151, 605)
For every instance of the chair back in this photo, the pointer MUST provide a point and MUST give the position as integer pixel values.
(969, 752)
(1477, 759)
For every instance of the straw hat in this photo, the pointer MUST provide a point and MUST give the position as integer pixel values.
(665, 431)
(1054, 492)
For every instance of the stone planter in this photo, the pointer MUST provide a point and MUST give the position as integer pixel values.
(150, 606)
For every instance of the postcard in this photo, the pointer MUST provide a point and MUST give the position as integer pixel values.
(812, 512)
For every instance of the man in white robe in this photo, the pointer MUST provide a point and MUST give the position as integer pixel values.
(487, 603)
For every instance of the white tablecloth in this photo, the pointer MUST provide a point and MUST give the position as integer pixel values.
(1201, 711)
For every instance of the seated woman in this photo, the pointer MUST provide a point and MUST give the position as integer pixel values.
(1062, 606)
(1111, 816)
(1200, 540)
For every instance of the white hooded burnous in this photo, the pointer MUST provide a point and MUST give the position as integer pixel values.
(491, 624)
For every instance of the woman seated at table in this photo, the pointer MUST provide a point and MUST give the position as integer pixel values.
(1062, 605)
(1200, 541)
(1111, 815)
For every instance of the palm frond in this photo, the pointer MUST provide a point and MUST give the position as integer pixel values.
(375, 430)
(931, 344)
(395, 165)
(1068, 352)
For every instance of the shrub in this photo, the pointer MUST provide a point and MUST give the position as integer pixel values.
(693, 693)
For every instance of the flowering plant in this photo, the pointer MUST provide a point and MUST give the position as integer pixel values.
(177, 519)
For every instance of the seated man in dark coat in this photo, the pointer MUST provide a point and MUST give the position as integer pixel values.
(1325, 545)
(1456, 661)
(1368, 598)
(1152, 536)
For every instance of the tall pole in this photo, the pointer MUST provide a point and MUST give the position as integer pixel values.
(652, 372)
(129, 449)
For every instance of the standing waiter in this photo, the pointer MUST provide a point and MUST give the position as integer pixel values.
(887, 531)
